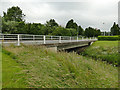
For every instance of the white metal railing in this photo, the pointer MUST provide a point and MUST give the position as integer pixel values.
(41, 39)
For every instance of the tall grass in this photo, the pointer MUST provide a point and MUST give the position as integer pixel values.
(44, 68)
(104, 50)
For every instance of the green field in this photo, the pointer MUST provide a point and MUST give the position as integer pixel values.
(39, 67)
(104, 50)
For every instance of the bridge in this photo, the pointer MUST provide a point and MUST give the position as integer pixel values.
(53, 42)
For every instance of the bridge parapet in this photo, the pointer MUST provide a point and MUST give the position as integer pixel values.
(17, 39)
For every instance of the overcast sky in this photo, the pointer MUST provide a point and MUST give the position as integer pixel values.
(84, 12)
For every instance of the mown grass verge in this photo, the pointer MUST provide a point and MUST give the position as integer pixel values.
(12, 72)
(104, 50)
(47, 69)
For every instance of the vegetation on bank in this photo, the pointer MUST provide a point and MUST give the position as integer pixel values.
(0, 68)
(104, 50)
(108, 38)
(13, 75)
(44, 68)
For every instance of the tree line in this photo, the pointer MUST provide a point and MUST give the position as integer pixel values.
(13, 23)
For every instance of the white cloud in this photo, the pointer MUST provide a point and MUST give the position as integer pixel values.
(85, 12)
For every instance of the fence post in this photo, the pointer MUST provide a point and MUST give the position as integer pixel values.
(44, 39)
(60, 39)
(18, 40)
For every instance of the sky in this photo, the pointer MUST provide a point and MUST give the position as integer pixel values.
(99, 14)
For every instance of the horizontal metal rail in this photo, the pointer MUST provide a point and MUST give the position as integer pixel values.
(42, 39)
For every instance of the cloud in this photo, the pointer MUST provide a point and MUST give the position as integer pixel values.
(85, 12)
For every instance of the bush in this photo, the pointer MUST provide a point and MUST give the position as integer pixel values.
(108, 38)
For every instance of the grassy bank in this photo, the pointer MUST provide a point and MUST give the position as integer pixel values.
(0, 68)
(104, 50)
(12, 72)
(47, 69)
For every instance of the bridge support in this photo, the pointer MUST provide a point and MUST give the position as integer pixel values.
(54, 49)
(90, 43)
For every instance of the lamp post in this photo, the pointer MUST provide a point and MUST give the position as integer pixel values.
(103, 31)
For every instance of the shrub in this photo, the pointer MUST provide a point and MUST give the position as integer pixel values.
(108, 38)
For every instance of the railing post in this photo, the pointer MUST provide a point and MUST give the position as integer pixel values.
(3, 38)
(51, 37)
(33, 37)
(44, 39)
(70, 39)
(18, 40)
(60, 39)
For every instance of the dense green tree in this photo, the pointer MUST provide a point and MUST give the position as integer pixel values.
(72, 31)
(71, 24)
(91, 32)
(12, 21)
(9, 26)
(13, 14)
(80, 31)
(115, 30)
(61, 31)
(21, 29)
(98, 32)
(51, 23)
(50, 26)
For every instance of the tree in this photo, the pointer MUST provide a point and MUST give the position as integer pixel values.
(80, 31)
(61, 31)
(21, 28)
(91, 32)
(13, 14)
(115, 29)
(71, 24)
(51, 23)
(13, 20)
(97, 32)
(9, 27)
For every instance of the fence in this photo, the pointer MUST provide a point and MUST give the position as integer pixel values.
(41, 39)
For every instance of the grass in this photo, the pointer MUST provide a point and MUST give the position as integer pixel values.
(104, 50)
(47, 69)
(12, 75)
(0, 68)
